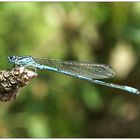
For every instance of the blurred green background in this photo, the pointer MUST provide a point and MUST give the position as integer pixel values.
(55, 105)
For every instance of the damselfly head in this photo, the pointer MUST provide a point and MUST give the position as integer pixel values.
(12, 58)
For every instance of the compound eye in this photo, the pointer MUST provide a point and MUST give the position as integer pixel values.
(12, 58)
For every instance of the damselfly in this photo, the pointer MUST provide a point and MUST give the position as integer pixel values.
(82, 70)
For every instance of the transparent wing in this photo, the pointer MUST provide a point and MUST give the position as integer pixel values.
(89, 70)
